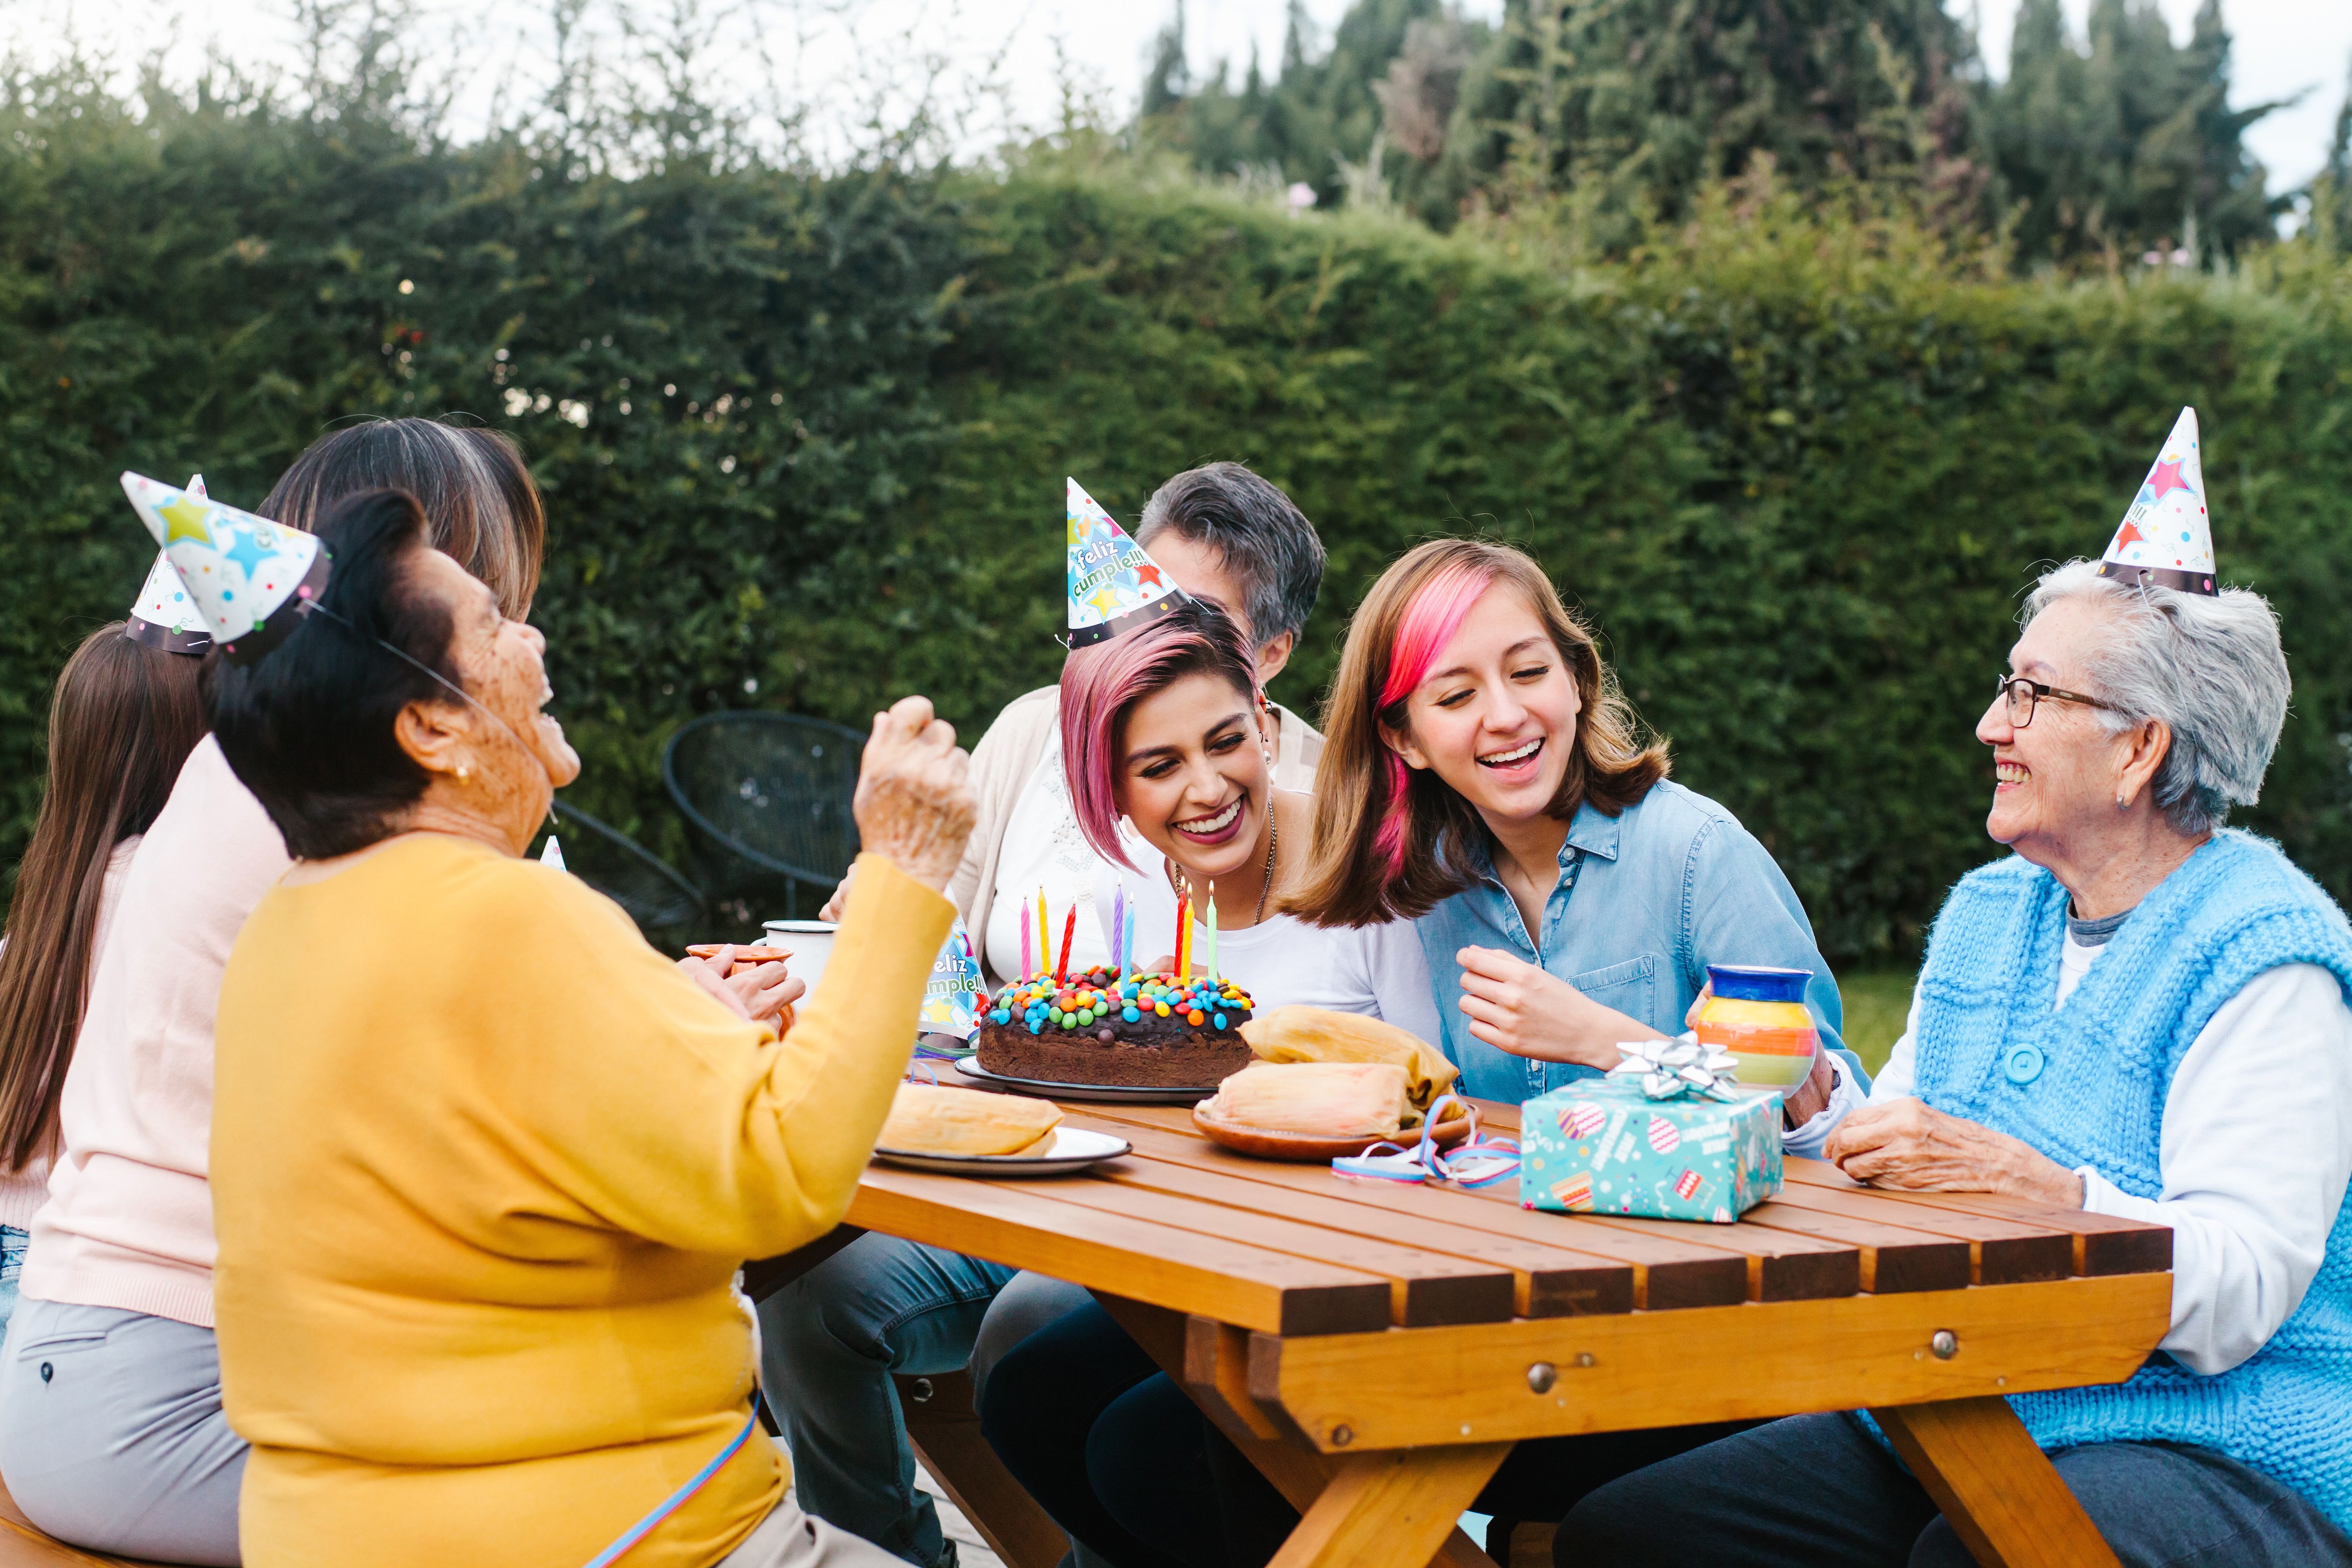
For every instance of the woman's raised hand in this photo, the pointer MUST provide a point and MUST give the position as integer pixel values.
(915, 805)
(1517, 1007)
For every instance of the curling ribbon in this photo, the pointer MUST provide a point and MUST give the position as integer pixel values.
(1474, 1162)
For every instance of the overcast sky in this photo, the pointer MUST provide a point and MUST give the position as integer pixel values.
(2282, 47)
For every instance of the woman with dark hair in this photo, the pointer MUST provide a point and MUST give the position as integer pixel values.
(485, 1163)
(112, 1434)
(124, 718)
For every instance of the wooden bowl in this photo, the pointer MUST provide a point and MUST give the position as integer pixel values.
(1308, 1150)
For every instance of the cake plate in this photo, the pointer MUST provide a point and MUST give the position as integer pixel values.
(1095, 1093)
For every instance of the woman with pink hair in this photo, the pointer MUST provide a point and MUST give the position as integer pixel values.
(1169, 744)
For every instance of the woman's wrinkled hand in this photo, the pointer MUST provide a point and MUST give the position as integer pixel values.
(1907, 1144)
(1517, 1007)
(915, 805)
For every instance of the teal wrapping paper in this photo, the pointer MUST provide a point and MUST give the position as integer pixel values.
(1604, 1146)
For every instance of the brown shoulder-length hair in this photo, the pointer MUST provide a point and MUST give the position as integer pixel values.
(479, 503)
(1390, 841)
(124, 718)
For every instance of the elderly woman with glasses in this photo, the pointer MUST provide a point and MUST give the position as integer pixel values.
(2141, 1013)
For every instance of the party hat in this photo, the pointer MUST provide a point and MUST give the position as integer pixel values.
(2167, 538)
(953, 998)
(249, 578)
(1115, 587)
(164, 617)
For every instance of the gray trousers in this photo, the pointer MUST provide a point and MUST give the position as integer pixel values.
(789, 1538)
(111, 1435)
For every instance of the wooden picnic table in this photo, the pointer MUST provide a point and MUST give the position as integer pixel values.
(1377, 1348)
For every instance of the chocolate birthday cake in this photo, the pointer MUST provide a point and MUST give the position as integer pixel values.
(1105, 1027)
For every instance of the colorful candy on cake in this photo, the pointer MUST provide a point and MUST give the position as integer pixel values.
(1105, 1025)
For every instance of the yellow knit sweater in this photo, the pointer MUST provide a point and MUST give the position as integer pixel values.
(483, 1167)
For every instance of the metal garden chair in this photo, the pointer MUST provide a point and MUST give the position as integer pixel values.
(768, 797)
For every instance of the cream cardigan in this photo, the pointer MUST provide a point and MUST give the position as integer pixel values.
(1006, 757)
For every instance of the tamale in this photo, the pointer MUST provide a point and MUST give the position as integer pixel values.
(1317, 1099)
(1320, 1035)
(929, 1119)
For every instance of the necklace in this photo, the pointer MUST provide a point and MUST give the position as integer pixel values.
(1177, 883)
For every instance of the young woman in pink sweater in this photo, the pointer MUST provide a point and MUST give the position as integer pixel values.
(112, 1434)
(124, 718)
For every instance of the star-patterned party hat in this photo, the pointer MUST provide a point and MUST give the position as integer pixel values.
(164, 617)
(1115, 587)
(2166, 538)
(249, 577)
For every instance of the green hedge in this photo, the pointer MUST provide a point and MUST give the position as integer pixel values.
(1796, 471)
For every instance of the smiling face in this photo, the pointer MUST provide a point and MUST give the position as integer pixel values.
(512, 771)
(1192, 774)
(1496, 716)
(2060, 774)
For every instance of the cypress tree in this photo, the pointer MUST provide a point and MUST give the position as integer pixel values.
(2125, 148)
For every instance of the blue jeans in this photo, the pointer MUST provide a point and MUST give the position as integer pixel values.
(1815, 1492)
(829, 1343)
(13, 1243)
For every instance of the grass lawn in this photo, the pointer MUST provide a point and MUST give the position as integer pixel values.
(1876, 1005)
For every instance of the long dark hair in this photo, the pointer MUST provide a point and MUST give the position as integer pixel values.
(124, 718)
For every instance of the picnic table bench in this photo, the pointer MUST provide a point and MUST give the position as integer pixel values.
(1375, 1348)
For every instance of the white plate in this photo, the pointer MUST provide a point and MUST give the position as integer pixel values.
(1098, 1093)
(1073, 1149)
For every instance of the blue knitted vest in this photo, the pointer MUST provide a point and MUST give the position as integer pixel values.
(2235, 908)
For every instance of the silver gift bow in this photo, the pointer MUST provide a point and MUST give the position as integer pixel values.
(1669, 1069)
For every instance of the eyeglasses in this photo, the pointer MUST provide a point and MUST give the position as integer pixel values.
(2023, 694)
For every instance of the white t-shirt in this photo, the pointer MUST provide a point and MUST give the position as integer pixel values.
(1043, 847)
(2255, 1150)
(1282, 961)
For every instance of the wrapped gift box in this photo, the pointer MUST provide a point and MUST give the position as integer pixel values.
(1606, 1146)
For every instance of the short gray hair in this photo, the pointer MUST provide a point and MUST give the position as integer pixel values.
(1262, 536)
(2208, 665)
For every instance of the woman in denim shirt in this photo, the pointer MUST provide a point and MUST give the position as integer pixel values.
(1482, 776)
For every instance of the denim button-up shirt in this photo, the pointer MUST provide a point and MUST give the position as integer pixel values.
(1645, 900)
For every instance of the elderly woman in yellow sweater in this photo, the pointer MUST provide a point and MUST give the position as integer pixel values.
(484, 1163)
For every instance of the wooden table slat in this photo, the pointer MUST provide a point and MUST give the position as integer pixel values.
(2102, 1243)
(1894, 1259)
(2000, 1251)
(1229, 1281)
(1427, 1288)
(1547, 1281)
(1668, 1273)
